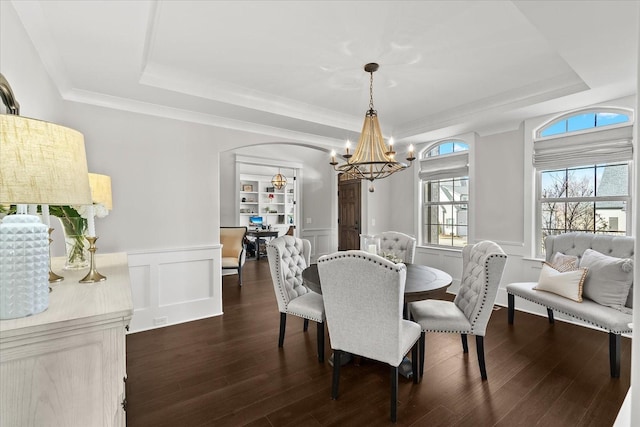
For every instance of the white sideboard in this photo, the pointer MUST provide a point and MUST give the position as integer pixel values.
(66, 366)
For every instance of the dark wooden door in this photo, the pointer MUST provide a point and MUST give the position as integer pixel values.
(349, 205)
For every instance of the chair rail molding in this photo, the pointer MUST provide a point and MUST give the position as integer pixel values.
(172, 286)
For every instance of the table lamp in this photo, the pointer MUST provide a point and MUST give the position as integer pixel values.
(40, 163)
(100, 195)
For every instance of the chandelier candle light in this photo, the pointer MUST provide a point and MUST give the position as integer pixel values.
(372, 159)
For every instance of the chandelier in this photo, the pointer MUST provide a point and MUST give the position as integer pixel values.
(279, 180)
(372, 158)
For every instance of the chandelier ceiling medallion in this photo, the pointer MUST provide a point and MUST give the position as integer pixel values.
(372, 158)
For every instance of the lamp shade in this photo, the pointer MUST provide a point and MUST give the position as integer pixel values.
(42, 163)
(101, 189)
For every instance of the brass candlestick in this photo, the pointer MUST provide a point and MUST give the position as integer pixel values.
(93, 275)
(53, 277)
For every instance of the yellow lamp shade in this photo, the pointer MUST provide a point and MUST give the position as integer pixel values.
(42, 163)
(101, 189)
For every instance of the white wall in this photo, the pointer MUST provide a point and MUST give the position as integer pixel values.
(20, 64)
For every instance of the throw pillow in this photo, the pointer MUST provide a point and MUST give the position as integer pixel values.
(567, 284)
(562, 262)
(609, 279)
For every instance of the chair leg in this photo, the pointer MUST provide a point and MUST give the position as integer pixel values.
(511, 307)
(240, 276)
(480, 351)
(550, 315)
(320, 339)
(465, 346)
(306, 325)
(337, 354)
(422, 340)
(414, 362)
(614, 354)
(283, 324)
(394, 393)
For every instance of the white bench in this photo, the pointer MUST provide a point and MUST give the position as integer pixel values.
(615, 321)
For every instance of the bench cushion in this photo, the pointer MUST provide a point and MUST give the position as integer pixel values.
(591, 312)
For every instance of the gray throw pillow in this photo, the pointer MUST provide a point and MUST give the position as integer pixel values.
(608, 280)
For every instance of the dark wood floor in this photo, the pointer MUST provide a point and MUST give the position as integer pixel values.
(229, 371)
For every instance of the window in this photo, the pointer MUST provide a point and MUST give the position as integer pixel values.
(584, 121)
(444, 184)
(583, 179)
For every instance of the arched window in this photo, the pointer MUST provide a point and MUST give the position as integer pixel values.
(583, 168)
(444, 181)
(583, 121)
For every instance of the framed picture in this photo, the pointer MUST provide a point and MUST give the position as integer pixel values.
(247, 187)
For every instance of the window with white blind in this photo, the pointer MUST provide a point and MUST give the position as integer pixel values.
(444, 182)
(583, 170)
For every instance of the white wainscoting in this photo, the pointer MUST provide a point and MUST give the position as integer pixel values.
(323, 241)
(174, 286)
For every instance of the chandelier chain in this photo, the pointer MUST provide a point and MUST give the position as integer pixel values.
(371, 90)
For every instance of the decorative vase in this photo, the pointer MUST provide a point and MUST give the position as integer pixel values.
(77, 246)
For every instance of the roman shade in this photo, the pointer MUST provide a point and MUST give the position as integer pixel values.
(444, 166)
(598, 147)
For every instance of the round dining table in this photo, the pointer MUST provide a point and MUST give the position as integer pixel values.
(421, 282)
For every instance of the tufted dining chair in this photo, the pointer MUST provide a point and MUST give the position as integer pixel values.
(399, 244)
(288, 257)
(469, 313)
(364, 298)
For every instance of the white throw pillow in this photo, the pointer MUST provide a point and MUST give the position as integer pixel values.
(609, 279)
(567, 284)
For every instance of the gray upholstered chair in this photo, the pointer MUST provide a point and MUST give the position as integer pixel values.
(233, 253)
(363, 298)
(288, 257)
(399, 244)
(469, 313)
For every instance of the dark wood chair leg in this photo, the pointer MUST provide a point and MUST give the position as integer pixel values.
(240, 276)
(394, 393)
(614, 354)
(422, 343)
(550, 315)
(465, 346)
(283, 325)
(414, 362)
(480, 351)
(306, 325)
(337, 355)
(511, 307)
(320, 339)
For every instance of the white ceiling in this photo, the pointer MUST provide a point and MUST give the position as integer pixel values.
(294, 69)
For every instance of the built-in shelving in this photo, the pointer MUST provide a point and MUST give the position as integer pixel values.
(259, 198)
